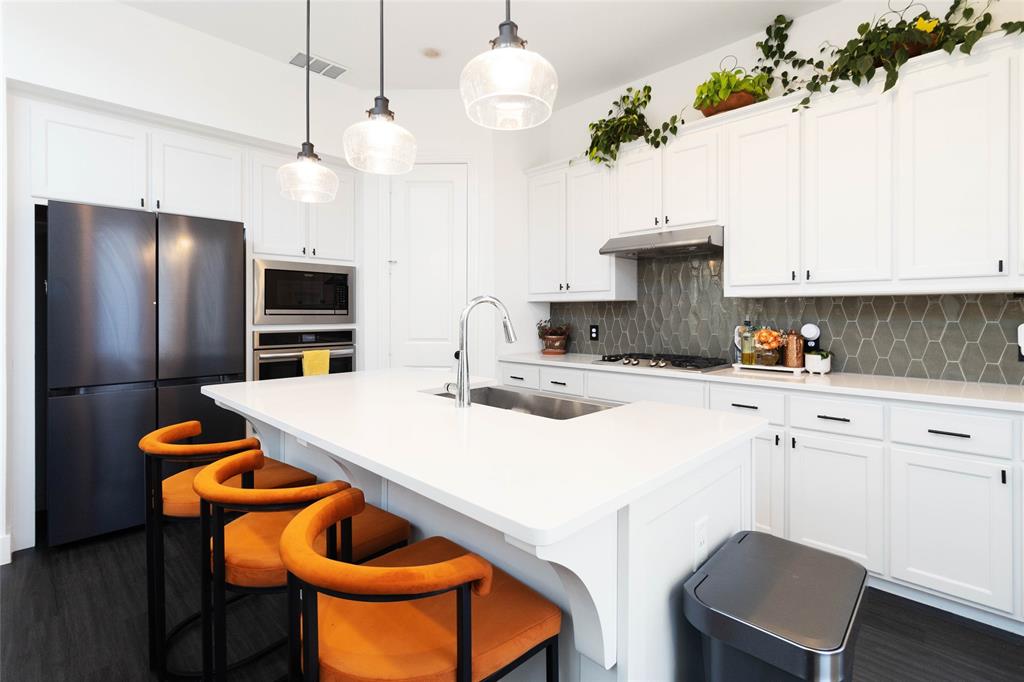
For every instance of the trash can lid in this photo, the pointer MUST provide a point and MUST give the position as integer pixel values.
(798, 593)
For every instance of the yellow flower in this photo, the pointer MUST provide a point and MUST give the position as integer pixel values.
(926, 25)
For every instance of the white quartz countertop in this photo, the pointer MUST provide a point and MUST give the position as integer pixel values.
(961, 393)
(535, 479)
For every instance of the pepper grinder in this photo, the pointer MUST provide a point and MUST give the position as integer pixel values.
(794, 356)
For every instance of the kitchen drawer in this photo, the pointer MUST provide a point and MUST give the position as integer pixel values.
(969, 432)
(558, 380)
(767, 404)
(848, 417)
(620, 388)
(526, 376)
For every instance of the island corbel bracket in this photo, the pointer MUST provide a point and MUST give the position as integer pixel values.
(586, 563)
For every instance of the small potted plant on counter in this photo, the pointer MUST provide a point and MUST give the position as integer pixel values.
(554, 336)
(730, 89)
(818, 361)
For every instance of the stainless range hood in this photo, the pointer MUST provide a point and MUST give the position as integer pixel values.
(686, 241)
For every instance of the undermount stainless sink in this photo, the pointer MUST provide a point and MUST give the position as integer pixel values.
(529, 402)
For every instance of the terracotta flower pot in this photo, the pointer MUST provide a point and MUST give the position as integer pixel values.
(734, 101)
(555, 345)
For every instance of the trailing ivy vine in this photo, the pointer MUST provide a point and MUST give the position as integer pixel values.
(626, 121)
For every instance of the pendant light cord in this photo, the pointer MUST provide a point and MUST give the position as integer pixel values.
(309, 58)
(508, 10)
(381, 48)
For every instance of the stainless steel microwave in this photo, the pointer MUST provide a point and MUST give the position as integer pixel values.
(303, 293)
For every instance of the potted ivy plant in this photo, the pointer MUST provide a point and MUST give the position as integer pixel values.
(730, 89)
(554, 336)
(818, 361)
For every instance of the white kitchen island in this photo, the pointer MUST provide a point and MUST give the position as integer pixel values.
(605, 514)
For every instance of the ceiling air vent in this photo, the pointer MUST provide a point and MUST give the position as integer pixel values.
(318, 65)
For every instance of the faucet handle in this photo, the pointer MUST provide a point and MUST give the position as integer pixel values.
(451, 387)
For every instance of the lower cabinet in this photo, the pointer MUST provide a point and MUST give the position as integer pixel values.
(770, 482)
(952, 525)
(836, 497)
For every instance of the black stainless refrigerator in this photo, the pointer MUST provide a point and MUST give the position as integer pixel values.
(141, 311)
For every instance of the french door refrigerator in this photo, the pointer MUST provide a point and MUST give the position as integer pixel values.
(142, 310)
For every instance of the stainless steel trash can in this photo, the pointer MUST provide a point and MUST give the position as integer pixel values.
(771, 609)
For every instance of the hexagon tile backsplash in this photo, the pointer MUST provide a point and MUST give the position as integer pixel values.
(681, 310)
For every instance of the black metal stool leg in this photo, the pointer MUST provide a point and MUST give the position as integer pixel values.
(551, 660)
(220, 644)
(205, 557)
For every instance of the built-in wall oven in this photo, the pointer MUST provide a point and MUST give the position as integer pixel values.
(303, 293)
(277, 355)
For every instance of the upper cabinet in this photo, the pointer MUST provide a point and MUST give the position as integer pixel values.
(196, 176)
(638, 189)
(762, 233)
(690, 180)
(84, 157)
(570, 218)
(953, 169)
(332, 225)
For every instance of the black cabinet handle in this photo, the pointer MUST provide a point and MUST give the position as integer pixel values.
(158, 203)
(792, 274)
(1000, 266)
(938, 432)
(558, 383)
(745, 407)
(303, 250)
(808, 274)
(142, 202)
(666, 220)
(567, 286)
(655, 221)
(314, 250)
(776, 439)
(1004, 476)
(511, 376)
(833, 419)
(560, 286)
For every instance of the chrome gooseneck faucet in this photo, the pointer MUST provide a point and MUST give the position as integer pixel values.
(462, 398)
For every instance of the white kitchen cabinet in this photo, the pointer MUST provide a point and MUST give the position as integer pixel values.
(85, 157)
(770, 482)
(763, 209)
(332, 225)
(952, 526)
(690, 180)
(196, 176)
(546, 233)
(638, 190)
(953, 169)
(279, 224)
(622, 388)
(836, 497)
(588, 225)
(847, 188)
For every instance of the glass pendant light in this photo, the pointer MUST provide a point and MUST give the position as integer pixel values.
(507, 87)
(306, 179)
(379, 145)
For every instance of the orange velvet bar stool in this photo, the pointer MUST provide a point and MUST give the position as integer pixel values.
(244, 555)
(396, 617)
(174, 497)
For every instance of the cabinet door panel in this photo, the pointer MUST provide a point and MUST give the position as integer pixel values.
(279, 223)
(689, 180)
(836, 497)
(87, 158)
(638, 179)
(848, 188)
(762, 235)
(954, 189)
(952, 526)
(547, 233)
(770, 483)
(588, 226)
(196, 176)
(332, 225)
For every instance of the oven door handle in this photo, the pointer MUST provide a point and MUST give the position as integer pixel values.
(295, 355)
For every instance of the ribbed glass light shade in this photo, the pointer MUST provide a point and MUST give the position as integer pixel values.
(308, 180)
(508, 88)
(379, 145)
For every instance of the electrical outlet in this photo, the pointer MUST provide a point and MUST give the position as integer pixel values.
(595, 332)
(700, 542)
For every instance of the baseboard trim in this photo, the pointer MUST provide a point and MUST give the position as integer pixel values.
(5, 549)
(974, 613)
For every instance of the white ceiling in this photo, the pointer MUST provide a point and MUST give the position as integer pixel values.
(594, 45)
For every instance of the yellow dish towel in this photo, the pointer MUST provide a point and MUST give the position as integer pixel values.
(316, 362)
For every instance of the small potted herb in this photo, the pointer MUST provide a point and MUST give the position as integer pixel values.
(818, 361)
(730, 89)
(554, 336)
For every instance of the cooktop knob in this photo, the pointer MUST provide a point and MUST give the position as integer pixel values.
(662, 363)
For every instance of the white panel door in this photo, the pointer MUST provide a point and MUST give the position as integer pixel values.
(952, 526)
(763, 223)
(770, 482)
(279, 224)
(427, 262)
(546, 233)
(689, 179)
(196, 176)
(588, 226)
(836, 497)
(332, 225)
(638, 181)
(953, 207)
(847, 188)
(79, 156)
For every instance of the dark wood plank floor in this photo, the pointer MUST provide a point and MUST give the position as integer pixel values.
(79, 613)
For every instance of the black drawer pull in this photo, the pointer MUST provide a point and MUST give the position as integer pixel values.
(512, 376)
(558, 383)
(937, 432)
(745, 407)
(833, 419)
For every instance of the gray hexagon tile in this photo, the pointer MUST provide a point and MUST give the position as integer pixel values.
(682, 310)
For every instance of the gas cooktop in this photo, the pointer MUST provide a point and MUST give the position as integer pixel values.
(691, 363)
